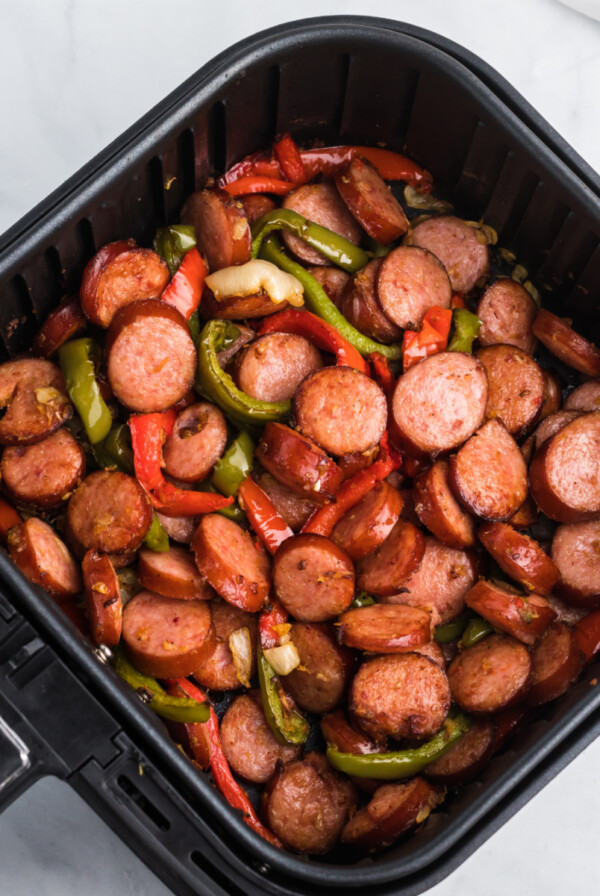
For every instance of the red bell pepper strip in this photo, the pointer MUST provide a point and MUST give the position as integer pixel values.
(264, 518)
(587, 635)
(235, 795)
(257, 164)
(258, 184)
(173, 501)
(8, 519)
(386, 381)
(290, 161)
(457, 301)
(324, 336)
(277, 615)
(324, 519)
(185, 289)
(429, 340)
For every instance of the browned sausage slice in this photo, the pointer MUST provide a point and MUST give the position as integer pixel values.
(167, 638)
(401, 695)
(322, 678)
(564, 475)
(109, 512)
(385, 628)
(237, 308)
(196, 443)
(102, 599)
(440, 402)
(313, 578)
(44, 559)
(385, 571)
(179, 528)
(369, 523)
(585, 397)
(507, 312)
(492, 675)
(576, 552)
(489, 475)
(465, 758)
(438, 509)
(520, 557)
(33, 394)
(410, 282)
(525, 618)
(233, 565)
(272, 367)
(172, 573)
(360, 306)
(333, 280)
(249, 744)
(566, 612)
(320, 203)
(525, 516)
(553, 424)
(462, 249)
(151, 356)
(516, 387)
(218, 670)
(337, 730)
(557, 664)
(120, 273)
(221, 227)
(43, 474)
(567, 345)
(552, 395)
(341, 409)
(294, 509)
(371, 201)
(255, 206)
(63, 322)
(298, 463)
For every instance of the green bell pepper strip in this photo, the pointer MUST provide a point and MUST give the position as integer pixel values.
(376, 249)
(117, 446)
(156, 539)
(476, 630)
(362, 599)
(173, 242)
(465, 327)
(194, 326)
(287, 724)
(317, 301)
(75, 359)
(451, 631)
(335, 248)
(177, 709)
(235, 465)
(213, 382)
(232, 512)
(402, 763)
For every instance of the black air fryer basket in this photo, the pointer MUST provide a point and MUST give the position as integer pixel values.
(340, 80)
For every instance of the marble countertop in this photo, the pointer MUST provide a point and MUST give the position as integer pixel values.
(74, 76)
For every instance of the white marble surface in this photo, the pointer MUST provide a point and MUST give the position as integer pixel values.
(74, 75)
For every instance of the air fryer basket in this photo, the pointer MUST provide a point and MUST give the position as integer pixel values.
(340, 79)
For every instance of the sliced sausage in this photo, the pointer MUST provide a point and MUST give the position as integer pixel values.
(259, 304)
(350, 464)
(294, 509)
(44, 559)
(440, 402)
(196, 443)
(298, 463)
(319, 683)
(221, 227)
(462, 249)
(320, 203)
(567, 345)
(333, 280)
(371, 201)
(172, 573)
(507, 312)
(255, 206)
(167, 638)
(489, 475)
(368, 524)
(440, 583)
(520, 557)
(341, 409)
(345, 737)
(585, 397)
(109, 512)
(438, 509)
(410, 282)
(553, 424)
(151, 356)
(382, 628)
(386, 570)
(566, 612)
(179, 528)
(218, 670)
(494, 674)
(465, 758)
(249, 744)
(564, 475)
(272, 367)
(313, 578)
(516, 387)
(233, 565)
(33, 396)
(576, 552)
(43, 474)
(307, 804)
(552, 395)
(557, 664)
(102, 599)
(525, 618)
(120, 273)
(64, 322)
(404, 695)
(360, 306)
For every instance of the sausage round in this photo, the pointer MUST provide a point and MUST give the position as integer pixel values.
(489, 475)
(333, 280)
(369, 523)
(553, 424)
(298, 463)
(33, 394)
(385, 571)
(507, 312)
(465, 758)
(272, 367)
(557, 664)
(294, 509)
(438, 509)
(320, 203)
(256, 205)
(567, 345)
(410, 282)
(313, 578)
(576, 552)
(178, 528)
(221, 227)
(167, 638)
(403, 695)
(525, 618)
(360, 306)
(347, 738)
(259, 304)
(585, 397)
(462, 249)
(552, 395)
(440, 402)
(102, 599)
(322, 678)
(44, 559)
(249, 744)
(62, 324)
(218, 670)
(341, 409)
(519, 556)
(43, 474)
(382, 628)
(566, 612)
(492, 675)
(371, 201)
(516, 387)
(172, 573)
(196, 442)
(109, 512)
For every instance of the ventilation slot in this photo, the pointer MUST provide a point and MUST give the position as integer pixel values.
(17, 319)
(212, 871)
(482, 166)
(143, 803)
(378, 101)
(510, 199)
(217, 137)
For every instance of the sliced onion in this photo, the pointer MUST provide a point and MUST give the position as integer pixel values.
(241, 651)
(248, 279)
(284, 658)
(128, 584)
(425, 201)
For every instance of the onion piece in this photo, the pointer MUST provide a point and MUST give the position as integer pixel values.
(241, 651)
(248, 279)
(284, 658)
(425, 201)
